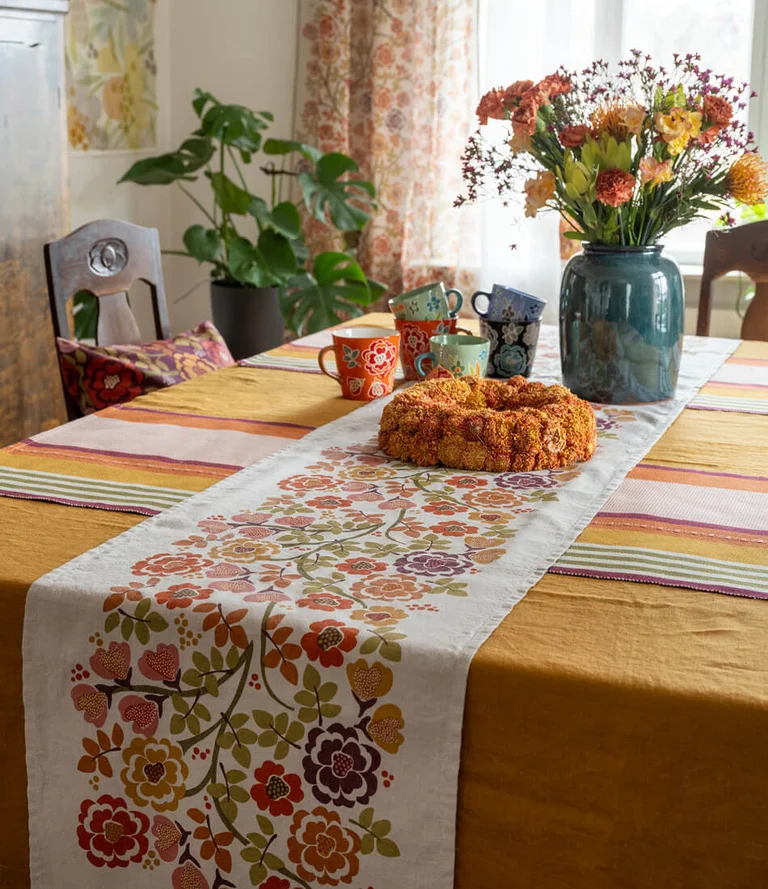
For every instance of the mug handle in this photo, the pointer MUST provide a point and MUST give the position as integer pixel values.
(417, 362)
(321, 361)
(464, 330)
(474, 306)
(459, 302)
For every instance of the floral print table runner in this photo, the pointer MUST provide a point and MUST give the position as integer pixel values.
(264, 685)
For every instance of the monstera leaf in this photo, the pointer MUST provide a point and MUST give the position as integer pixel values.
(326, 195)
(336, 287)
(164, 169)
(233, 125)
(284, 219)
(269, 262)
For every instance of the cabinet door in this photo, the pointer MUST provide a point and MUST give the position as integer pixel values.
(33, 210)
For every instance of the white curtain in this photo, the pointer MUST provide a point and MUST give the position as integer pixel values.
(526, 41)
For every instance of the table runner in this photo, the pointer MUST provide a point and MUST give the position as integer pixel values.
(394, 573)
(741, 384)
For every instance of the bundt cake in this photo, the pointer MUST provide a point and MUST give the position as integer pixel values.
(497, 425)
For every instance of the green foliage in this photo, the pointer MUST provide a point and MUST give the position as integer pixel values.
(276, 253)
(85, 309)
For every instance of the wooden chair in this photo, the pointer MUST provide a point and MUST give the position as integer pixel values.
(740, 249)
(105, 257)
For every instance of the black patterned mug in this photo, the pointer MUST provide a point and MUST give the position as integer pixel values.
(513, 346)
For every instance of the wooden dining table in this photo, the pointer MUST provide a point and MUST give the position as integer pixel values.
(613, 730)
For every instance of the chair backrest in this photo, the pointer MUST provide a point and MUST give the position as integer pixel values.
(740, 249)
(105, 257)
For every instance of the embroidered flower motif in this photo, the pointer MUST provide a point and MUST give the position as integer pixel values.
(325, 602)
(167, 836)
(380, 357)
(110, 834)
(369, 682)
(389, 587)
(361, 565)
(434, 564)
(92, 703)
(182, 595)
(307, 483)
(188, 877)
(327, 641)
(453, 529)
(444, 507)
(164, 564)
(155, 773)
(160, 665)
(142, 713)
(328, 502)
(244, 550)
(501, 499)
(322, 849)
(339, 766)
(385, 727)
(526, 480)
(511, 332)
(112, 663)
(377, 389)
(275, 790)
(511, 360)
(379, 615)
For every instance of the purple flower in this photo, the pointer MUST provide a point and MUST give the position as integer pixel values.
(339, 767)
(515, 480)
(434, 564)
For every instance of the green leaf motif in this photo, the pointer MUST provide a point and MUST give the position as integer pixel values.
(225, 740)
(246, 736)
(201, 661)
(126, 628)
(238, 720)
(179, 704)
(327, 691)
(387, 848)
(257, 873)
(262, 718)
(268, 263)
(268, 739)
(217, 790)
(295, 732)
(273, 862)
(156, 622)
(282, 749)
(281, 723)
(370, 645)
(307, 715)
(311, 679)
(257, 840)
(142, 608)
(366, 817)
(265, 825)
(228, 809)
(113, 619)
(239, 794)
(330, 710)
(242, 756)
(367, 844)
(177, 724)
(328, 197)
(391, 651)
(381, 828)
(306, 698)
(192, 677)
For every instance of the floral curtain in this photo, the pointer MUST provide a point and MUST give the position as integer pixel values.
(392, 83)
(111, 72)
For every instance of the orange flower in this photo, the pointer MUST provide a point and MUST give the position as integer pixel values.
(717, 110)
(554, 85)
(379, 615)
(512, 94)
(538, 191)
(360, 565)
(503, 499)
(154, 774)
(633, 118)
(389, 587)
(526, 111)
(491, 107)
(322, 849)
(327, 641)
(369, 683)
(614, 187)
(655, 172)
(164, 563)
(574, 135)
(609, 119)
(520, 140)
(747, 180)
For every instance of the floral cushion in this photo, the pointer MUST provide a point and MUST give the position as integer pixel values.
(96, 377)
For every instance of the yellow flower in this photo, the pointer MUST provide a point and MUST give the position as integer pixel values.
(385, 726)
(609, 120)
(678, 127)
(369, 683)
(538, 191)
(154, 774)
(633, 117)
(747, 180)
(653, 172)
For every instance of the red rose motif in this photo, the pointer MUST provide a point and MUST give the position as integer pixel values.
(275, 790)
(415, 341)
(361, 565)
(142, 713)
(167, 836)
(327, 641)
(92, 703)
(112, 663)
(325, 602)
(380, 357)
(110, 382)
(328, 502)
(110, 834)
(162, 664)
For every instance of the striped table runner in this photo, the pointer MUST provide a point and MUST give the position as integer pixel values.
(740, 385)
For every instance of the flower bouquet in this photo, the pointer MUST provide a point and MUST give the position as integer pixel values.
(624, 157)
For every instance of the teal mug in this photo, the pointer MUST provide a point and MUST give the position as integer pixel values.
(462, 355)
(427, 303)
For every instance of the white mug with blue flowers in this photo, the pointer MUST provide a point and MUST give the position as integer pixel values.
(508, 304)
(427, 303)
(513, 346)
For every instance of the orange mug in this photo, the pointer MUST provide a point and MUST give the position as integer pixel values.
(414, 340)
(366, 359)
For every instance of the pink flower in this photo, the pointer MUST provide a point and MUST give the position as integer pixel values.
(142, 713)
(114, 663)
(92, 703)
(162, 664)
(188, 877)
(168, 836)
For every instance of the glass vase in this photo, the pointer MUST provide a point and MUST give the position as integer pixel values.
(622, 312)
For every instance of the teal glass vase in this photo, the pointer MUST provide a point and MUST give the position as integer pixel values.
(622, 312)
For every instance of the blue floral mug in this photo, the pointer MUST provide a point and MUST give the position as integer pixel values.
(513, 346)
(462, 355)
(506, 304)
(427, 303)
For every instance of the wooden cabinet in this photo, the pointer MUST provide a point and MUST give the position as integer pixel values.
(33, 210)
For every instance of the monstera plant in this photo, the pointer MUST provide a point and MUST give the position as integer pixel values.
(262, 274)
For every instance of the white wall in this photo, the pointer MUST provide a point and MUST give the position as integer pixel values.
(240, 50)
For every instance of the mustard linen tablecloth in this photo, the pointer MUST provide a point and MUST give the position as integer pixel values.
(613, 732)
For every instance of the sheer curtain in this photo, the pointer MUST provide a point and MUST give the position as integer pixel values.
(519, 41)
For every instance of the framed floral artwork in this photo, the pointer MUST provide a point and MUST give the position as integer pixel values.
(111, 74)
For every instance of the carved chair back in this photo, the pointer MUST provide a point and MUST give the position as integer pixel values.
(740, 249)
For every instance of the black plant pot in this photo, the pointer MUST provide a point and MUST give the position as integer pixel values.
(249, 318)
